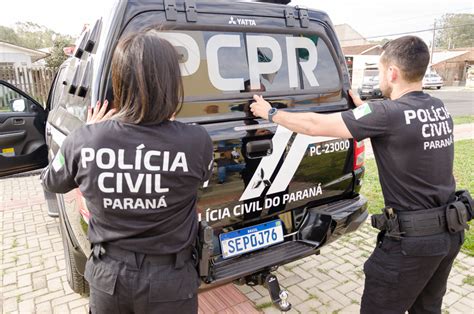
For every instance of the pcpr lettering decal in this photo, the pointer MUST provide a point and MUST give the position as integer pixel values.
(256, 67)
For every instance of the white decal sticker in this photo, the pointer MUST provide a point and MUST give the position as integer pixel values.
(216, 214)
(184, 40)
(255, 45)
(292, 161)
(267, 164)
(308, 66)
(213, 45)
(255, 66)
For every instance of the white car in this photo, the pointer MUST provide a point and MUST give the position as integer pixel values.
(432, 80)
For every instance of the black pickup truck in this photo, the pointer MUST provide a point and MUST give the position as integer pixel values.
(275, 196)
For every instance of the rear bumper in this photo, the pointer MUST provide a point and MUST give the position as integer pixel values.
(347, 215)
(427, 85)
(321, 225)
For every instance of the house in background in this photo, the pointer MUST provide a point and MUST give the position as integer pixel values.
(17, 56)
(349, 36)
(359, 58)
(453, 65)
(19, 66)
(359, 52)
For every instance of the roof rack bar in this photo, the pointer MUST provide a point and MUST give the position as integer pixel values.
(290, 17)
(171, 12)
(190, 8)
(303, 15)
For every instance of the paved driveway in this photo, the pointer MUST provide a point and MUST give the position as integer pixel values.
(333, 281)
(32, 268)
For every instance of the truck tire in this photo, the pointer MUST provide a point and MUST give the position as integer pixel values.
(76, 281)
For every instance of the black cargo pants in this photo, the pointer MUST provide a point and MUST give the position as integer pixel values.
(131, 282)
(409, 274)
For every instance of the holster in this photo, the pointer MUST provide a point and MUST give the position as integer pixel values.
(379, 221)
(465, 197)
(459, 212)
(387, 222)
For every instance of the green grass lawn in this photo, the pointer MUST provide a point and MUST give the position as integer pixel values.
(463, 119)
(463, 173)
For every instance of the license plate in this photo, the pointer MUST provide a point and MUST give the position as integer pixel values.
(251, 238)
(366, 90)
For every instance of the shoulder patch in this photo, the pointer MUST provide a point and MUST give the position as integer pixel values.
(58, 161)
(362, 111)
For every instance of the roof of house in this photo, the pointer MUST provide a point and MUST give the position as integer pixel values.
(442, 56)
(35, 54)
(348, 36)
(359, 49)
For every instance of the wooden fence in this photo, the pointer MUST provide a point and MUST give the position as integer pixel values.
(35, 82)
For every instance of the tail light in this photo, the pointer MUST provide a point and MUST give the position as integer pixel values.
(359, 154)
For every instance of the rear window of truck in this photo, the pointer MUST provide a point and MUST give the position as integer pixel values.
(219, 65)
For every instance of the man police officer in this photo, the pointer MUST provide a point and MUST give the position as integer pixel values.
(411, 135)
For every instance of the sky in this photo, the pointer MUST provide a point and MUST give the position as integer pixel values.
(381, 17)
(368, 17)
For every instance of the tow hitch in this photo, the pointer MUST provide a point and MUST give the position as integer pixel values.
(279, 296)
(268, 280)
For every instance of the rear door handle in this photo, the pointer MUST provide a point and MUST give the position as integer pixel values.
(18, 121)
(259, 149)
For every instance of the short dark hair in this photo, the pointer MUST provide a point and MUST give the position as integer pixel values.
(410, 54)
(146, 79)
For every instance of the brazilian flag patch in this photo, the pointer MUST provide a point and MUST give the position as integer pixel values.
(362, 111)
(58, 161)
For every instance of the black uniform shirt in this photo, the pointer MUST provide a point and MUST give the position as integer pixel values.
(413, 146)
(140, 182)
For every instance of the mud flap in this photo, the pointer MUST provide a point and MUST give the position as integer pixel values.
(316, 228)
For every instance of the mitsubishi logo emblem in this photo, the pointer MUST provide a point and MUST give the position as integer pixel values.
(232, 21)
(261, 180)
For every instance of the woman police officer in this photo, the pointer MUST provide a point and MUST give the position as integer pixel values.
(139, 173)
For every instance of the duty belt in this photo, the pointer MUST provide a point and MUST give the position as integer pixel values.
(422, 222)
(112, 250)
(452, 217)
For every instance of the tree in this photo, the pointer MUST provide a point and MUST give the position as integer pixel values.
(35, 36)
(457, 30)
(8, 35)
(57, 55)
